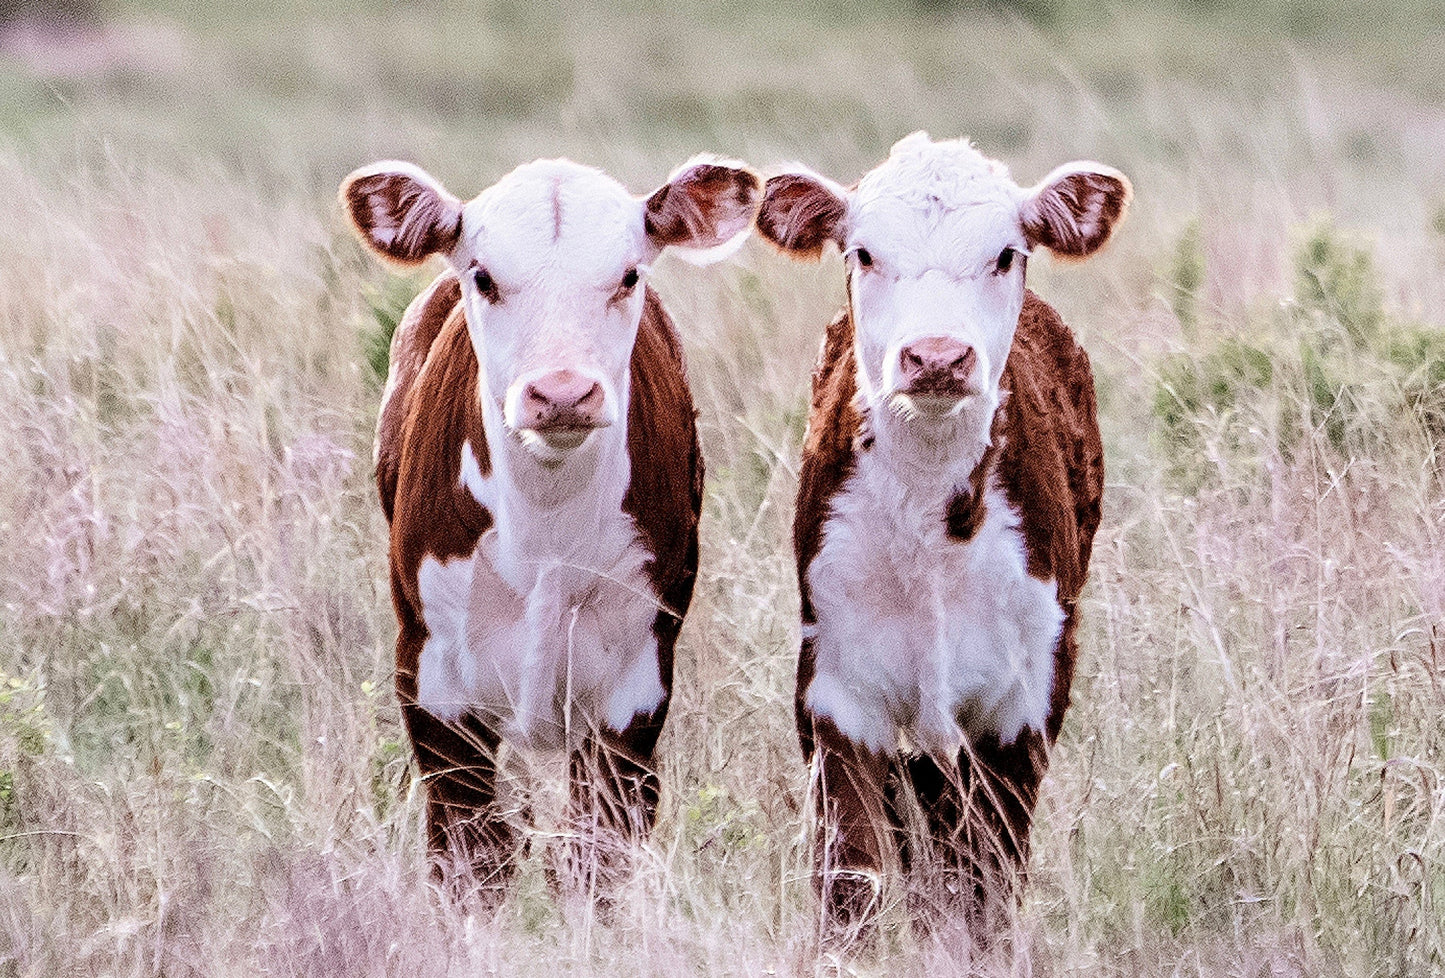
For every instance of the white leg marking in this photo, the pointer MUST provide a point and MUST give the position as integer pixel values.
(638, 690)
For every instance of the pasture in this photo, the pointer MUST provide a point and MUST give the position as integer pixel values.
(202, 768)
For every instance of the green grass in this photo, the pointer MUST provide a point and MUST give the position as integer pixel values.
(201, 763)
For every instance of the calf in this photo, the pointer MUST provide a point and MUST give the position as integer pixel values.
(948, 498)
(538, 462)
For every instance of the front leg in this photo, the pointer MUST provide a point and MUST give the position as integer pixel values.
(855, 828)
(614, 786)
(1001, 787)
(613, 806)
(473, 842)
(975, 831)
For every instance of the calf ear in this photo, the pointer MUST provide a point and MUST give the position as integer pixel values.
(400, 212)
(705, 210)
(801, 212)
(1075, 210)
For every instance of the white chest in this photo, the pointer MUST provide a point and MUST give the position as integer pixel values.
(923, 637)
(546, 627)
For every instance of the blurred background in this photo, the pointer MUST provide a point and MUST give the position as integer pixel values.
(201, 764)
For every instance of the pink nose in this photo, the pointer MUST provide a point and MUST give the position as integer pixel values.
(937, 365)
(561, 399)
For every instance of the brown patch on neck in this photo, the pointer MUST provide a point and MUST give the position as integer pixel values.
(435, 515)
(665, 495)
(411, 344)
(1052, 469)
(836, 432)
(968, 507)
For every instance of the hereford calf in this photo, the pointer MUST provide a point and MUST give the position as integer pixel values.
(537, 459)
(949, 494)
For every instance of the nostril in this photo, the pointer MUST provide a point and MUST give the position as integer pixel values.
(592, 400)
(562, 398)
(913, 362)
(963, 363)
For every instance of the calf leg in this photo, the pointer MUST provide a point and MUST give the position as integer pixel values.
(613, 805)
(856, 827)
(472, 842)
(934, 856)
(614, 787)
(1001, 782)
(975, 830)
(474, 845)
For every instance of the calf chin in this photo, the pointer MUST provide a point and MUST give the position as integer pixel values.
(929, 407)
(553, 446)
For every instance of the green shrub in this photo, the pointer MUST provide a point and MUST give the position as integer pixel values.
(26, 732)
(387, 303)
(1335, 278)
(23, 718)
(1330, 366)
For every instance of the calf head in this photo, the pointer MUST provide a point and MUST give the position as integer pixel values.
(552, 261)
(936, 240)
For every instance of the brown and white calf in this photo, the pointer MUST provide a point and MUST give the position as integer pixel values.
(948, 498)
(537, 458)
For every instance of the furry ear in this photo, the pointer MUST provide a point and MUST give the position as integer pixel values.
(400, 212)
(801, 212)
(1075, 210)
(705, 210)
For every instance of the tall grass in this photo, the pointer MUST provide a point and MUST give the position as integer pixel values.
(201, 764)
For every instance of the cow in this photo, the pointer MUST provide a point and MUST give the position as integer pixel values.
(537, 461)
(949, 492)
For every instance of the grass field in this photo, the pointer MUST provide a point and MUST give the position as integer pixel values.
(201, 764)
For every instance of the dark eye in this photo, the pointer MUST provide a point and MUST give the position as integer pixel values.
(629, 279)
(485, 284)
(1006, 260)
(865, 260)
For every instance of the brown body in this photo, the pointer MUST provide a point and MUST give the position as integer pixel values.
(1048, 458)
(432, 410)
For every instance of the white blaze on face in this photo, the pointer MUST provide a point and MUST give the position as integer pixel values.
(925, 234)
(551, 261)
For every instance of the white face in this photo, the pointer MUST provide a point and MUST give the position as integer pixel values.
(936, 254)
(552, 260)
